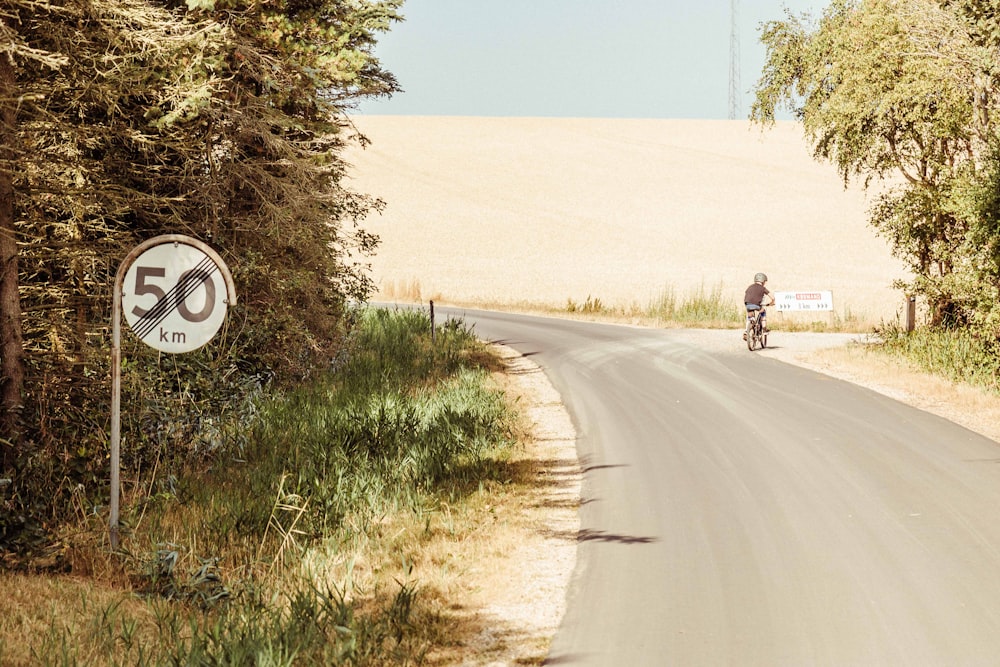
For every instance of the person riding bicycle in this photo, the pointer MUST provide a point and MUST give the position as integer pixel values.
(754, 300)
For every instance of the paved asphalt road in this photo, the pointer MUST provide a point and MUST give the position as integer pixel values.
(738, 510)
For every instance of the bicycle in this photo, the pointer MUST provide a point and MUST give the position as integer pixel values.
(755, 331)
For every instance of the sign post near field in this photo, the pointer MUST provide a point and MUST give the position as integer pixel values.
(815, 301)
(170, 289)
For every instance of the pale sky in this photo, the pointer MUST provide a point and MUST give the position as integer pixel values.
(575, 58)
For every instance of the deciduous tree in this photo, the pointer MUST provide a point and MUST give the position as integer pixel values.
(903, 92)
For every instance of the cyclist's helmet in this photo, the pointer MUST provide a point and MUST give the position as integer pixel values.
(760, 278)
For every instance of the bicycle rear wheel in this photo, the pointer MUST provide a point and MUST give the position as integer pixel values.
(751, 335)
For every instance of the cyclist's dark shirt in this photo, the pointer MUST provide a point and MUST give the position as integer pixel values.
(755, 294)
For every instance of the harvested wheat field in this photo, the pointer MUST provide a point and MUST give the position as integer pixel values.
(539, 211)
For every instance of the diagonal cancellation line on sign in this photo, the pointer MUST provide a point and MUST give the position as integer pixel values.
(191, 280)
(186, 286)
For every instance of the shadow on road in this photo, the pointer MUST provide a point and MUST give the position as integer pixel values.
(602, 536)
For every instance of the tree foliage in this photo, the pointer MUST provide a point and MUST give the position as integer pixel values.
(905, 92)
(131, 118)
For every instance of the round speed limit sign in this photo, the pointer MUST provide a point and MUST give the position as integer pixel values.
(175, 293)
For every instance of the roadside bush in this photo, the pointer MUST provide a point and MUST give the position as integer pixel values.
(396, 427)
(399, 417)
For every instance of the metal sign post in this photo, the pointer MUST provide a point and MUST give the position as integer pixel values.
(175, 306)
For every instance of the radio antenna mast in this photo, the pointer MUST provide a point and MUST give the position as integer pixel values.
(734, 60)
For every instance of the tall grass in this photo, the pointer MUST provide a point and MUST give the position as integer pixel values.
(704, 307)
(589, 306)
(304, 626)
(397, 425)
(708, 307)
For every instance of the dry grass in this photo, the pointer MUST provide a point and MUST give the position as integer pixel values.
(47, 610)
(509, 212)
(405, 291)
